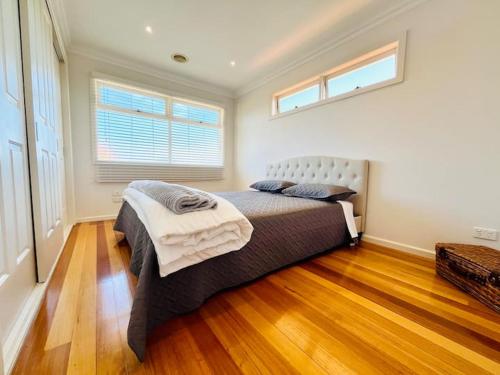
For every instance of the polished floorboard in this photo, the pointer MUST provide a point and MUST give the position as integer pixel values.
(364, 310)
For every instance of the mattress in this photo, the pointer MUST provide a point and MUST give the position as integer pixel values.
(286, 230)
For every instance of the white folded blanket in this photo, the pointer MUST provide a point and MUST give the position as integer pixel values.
(184, 240)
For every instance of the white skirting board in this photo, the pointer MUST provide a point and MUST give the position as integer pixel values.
(96, 218)
(27, 316)
(399, 246)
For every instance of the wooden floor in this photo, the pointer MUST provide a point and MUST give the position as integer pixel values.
(351, 311)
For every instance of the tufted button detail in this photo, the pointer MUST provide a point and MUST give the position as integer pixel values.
(293, 174)
(302, 174)
(340, 176)
(308, 165)
(354, 176)
(275, 175)
(288, 166)
(297, 166)
(314, 175)
(333, 164)
(326, 175)
(346, 163)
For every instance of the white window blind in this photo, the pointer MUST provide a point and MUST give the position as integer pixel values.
(144, 135)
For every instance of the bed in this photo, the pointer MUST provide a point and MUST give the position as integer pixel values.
(286, 230)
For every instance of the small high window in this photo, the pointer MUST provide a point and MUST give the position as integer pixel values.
(373, 70)
(300, 97)
(370, 73)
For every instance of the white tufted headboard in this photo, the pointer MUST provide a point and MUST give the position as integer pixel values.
(327, 170)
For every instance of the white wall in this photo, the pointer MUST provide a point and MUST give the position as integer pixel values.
(93, 199)
(433, 140)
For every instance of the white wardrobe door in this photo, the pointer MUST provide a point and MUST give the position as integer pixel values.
(17, 263)
(60, 138)
(44, 131)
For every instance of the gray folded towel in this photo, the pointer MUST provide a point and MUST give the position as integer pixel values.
(177, 198)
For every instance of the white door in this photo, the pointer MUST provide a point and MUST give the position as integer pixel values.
(43, 109)
(17, 260)
(60, 137)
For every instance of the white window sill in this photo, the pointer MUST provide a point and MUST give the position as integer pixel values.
(339, 97)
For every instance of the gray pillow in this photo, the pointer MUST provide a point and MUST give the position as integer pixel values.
(273, 186)
(319, 191)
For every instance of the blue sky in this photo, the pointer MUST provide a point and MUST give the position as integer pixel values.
(378, 71)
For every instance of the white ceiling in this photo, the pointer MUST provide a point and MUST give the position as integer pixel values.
(261, 36)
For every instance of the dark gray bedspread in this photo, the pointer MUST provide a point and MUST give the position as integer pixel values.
(286, 230)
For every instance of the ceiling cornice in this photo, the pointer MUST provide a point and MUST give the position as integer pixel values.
(390, 13)
(58, 11)
(151, 71)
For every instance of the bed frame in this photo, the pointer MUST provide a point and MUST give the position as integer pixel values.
(158, 299)
(327, 170)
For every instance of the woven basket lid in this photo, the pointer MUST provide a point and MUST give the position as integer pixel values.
(484, 256)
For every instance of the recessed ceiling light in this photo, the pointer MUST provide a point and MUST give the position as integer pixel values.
(149, 29)
(232, 63)
(180, 58)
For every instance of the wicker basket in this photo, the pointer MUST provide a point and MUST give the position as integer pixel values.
(475, 269)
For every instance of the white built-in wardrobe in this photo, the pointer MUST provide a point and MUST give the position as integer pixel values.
(32, 188)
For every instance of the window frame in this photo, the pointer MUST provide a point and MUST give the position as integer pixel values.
(198, 105)
(364, 61)
(99, 105)
(302, 86)
(169, 99)
(396, 47)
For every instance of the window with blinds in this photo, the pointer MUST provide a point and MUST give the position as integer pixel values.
(140, 134)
